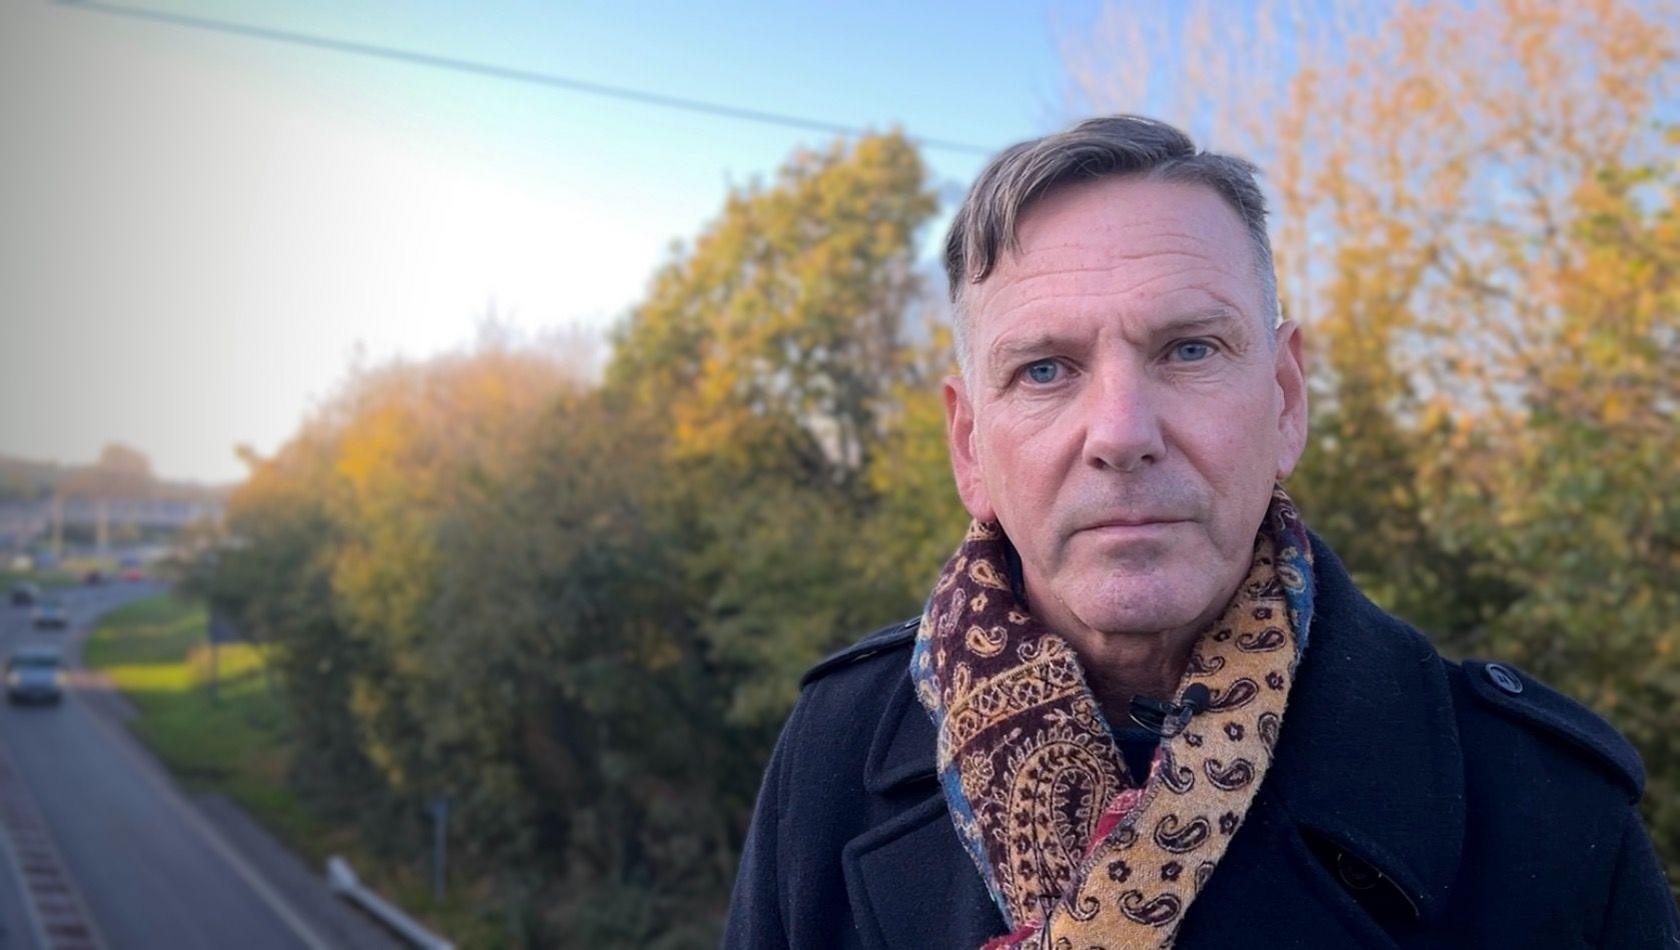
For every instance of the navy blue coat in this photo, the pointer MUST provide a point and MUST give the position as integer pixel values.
(1413, 802)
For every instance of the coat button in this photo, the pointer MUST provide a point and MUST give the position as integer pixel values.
(1502, 677)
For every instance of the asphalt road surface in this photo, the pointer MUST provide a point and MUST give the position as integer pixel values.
(142, 864)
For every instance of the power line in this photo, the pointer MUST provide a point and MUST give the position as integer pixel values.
(509, 73)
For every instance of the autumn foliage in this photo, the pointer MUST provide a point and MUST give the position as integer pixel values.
(579, 609)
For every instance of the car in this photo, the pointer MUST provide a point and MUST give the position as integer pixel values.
(24, 594)
(51, 613)
(134, 574)
(35, 674)
(93, 577)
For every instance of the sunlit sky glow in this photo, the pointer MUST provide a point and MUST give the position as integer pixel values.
(198, 229)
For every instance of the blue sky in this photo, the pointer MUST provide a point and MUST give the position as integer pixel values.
(200, 228)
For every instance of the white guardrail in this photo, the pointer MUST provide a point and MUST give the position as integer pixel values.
(343, 882)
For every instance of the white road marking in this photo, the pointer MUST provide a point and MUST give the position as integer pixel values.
(153, 773)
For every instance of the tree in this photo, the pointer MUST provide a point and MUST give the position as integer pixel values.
(774, 344)
(271, 573)
(774, 352)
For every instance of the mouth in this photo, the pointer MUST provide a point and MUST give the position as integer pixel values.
(1130, 521)
(1131, 526)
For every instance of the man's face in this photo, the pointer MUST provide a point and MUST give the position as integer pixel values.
(1126, 413)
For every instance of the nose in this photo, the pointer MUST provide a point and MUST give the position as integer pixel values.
(1122, 421)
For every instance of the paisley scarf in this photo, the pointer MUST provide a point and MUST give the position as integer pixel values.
(1074, 849)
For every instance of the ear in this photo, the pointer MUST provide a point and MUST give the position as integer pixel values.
(1291, 376)
(965, 462)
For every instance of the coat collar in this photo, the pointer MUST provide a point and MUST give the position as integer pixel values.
(1368, 758)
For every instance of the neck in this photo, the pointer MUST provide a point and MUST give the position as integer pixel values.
(1124, 664)
(1121, 666)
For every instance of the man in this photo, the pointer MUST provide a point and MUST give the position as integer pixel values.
(1143, 706)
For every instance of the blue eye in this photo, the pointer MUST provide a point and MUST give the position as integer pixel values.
(1043, 371)
(1192, 351)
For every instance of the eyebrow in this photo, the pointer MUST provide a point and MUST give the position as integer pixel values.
(1006, 354)
(1212, 318)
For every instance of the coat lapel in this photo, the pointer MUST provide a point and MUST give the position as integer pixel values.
(909, 881)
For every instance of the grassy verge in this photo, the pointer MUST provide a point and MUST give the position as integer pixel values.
(226, 739)
(47, 579)
(233, 741)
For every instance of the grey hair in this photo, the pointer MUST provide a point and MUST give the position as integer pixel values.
(1120, 146)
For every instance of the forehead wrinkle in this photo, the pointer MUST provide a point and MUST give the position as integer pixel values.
(1109, 252)
(1026, 293)
(1105, 257)
(1128, 239)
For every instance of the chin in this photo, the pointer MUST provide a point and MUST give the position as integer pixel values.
(1138, 605)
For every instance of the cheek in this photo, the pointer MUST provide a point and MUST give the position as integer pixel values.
(1240, 464)
(1022, 456)
(1233, 443)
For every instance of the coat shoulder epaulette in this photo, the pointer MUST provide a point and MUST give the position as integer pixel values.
(1519, 696)
(887, 638)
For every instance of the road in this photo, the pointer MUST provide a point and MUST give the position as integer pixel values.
(148, 869)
